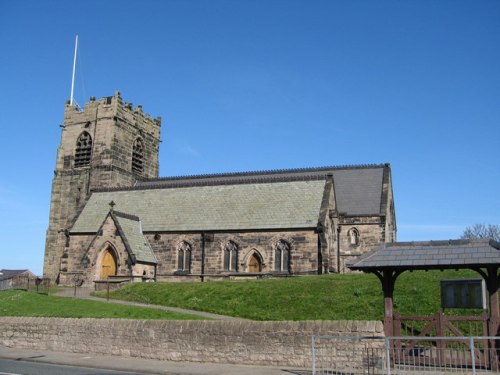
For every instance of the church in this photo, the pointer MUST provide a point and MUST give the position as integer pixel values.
(112, 216)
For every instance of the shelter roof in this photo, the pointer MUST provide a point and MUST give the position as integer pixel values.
(452, 254)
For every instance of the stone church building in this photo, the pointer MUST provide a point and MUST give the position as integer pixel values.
(112, 216)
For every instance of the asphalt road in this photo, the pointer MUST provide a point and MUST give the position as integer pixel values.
(34, 362)
(16, 367)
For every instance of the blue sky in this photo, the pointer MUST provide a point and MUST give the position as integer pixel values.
(246, 85)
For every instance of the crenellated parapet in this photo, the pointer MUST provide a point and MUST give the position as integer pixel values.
(112, 107)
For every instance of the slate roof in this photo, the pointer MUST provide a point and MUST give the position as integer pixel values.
(9, 274)
(358, 188)
(228, 207)
(429, 255)
(131, 231)
(358, 191)
(283, 199)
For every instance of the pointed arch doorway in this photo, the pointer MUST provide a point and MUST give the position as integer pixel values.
(254, 263)
(108, 264)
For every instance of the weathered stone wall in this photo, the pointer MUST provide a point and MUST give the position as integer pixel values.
(303, 249)
(242, 342)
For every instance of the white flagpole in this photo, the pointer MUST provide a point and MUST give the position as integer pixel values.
(73, 77)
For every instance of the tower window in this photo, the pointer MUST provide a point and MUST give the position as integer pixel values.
(231, 257)
(282, 256)
(138, 156)
(83, 150)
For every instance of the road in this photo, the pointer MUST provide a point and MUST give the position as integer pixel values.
(16, 367)
(83, 364)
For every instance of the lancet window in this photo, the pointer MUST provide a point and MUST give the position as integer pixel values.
(184, 257)
(282, 256)
(231, 257)
(353, 236)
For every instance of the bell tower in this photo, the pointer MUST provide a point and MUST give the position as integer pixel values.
(108, 144)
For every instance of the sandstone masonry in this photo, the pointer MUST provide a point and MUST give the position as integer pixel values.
(239, 342)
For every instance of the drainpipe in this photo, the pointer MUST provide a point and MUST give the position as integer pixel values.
(202, 256)
(338, 248)
(319, 231)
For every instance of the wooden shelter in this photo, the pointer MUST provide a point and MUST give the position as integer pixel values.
(390, 260)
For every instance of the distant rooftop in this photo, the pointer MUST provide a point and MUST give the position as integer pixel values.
(9, 274)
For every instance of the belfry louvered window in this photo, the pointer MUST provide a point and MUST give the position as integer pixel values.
(83, 150)
(138, 156)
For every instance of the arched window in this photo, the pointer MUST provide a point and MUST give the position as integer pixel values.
(282, 256)
(138, 156)
(353, 236)
(83, 150)
(231, 257)
(184, 257)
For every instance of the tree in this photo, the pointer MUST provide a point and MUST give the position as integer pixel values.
(482, 231)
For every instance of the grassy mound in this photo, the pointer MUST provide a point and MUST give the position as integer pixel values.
(22, 303)
(328, 297)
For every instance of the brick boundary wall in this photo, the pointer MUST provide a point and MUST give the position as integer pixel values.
(239, 342)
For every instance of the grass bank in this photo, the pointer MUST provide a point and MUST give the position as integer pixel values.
(328, 297)
(22, 303)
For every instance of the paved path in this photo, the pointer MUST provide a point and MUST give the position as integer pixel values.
(139, 365)
(84, 293)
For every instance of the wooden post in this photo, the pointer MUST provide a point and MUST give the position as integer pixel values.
(388, 280)
(388, 286)
(492, 284)
(440, 331)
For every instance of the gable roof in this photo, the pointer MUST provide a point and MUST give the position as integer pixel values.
(130, 230)
(429, 255)
(280, 199)
(228, 207)
(358, 188)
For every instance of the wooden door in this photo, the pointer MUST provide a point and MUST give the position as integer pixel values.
(254, 264)
(108, 265)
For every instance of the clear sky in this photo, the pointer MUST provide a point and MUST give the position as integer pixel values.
(245, 85)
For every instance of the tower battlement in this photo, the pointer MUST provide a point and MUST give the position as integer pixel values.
(112, 107)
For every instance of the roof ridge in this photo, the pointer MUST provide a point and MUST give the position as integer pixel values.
(126, 216)
(266, 171)
(460, 241)
(162, 184)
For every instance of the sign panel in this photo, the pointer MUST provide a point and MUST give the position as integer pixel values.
(463, 294)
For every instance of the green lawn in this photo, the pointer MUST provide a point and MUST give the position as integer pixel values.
(328, 297)
(22, 303)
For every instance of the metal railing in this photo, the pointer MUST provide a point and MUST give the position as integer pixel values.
(405, 355)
